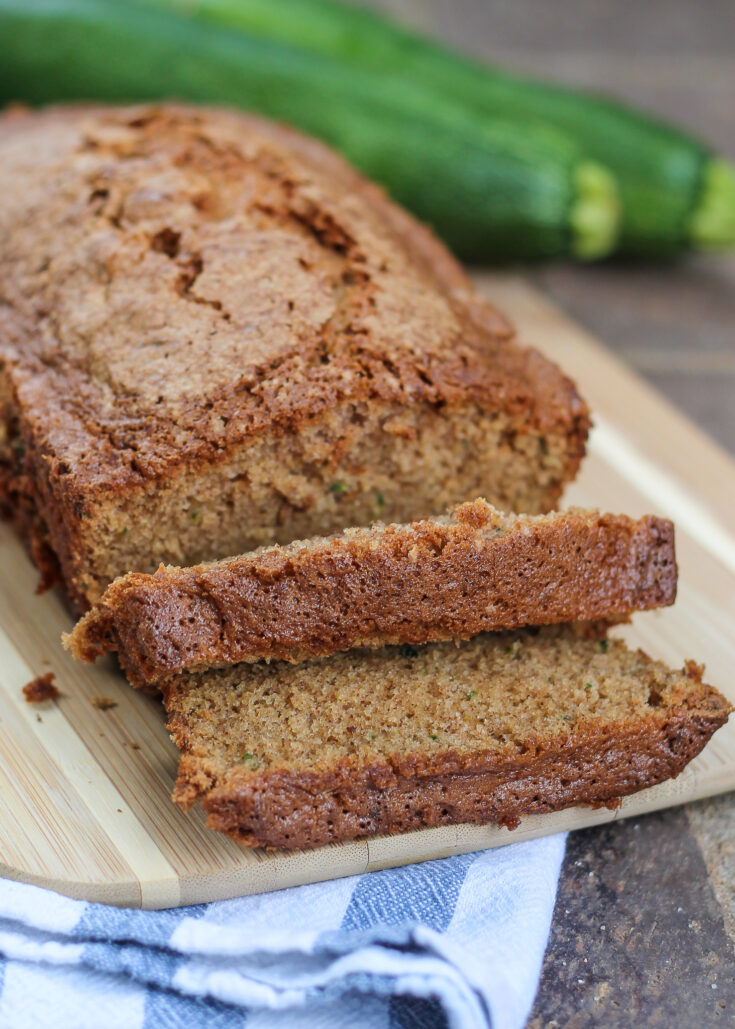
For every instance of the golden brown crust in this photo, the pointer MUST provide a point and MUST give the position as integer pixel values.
(195, 279)
(507, 725)
(595, 767)
(474, 571)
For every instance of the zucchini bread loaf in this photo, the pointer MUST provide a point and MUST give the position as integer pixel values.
(214, 335)
(440, 578)
(372, 741)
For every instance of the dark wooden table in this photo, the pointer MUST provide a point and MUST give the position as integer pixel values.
(644, 924)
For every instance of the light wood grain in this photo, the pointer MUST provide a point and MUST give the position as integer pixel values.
(84, 811)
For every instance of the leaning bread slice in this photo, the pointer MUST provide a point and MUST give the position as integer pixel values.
(374, 741)
(441, 578)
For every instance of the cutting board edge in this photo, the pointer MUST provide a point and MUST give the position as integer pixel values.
(205, 887)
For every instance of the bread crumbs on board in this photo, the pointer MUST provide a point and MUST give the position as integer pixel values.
(103, 703)
(41, 689)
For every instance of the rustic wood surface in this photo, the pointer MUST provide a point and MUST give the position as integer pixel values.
(630, 928)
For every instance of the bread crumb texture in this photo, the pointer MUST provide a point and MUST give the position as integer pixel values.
(216, 335)
(395, 739)
(442, 578)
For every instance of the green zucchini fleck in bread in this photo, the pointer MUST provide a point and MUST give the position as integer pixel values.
(375, 741)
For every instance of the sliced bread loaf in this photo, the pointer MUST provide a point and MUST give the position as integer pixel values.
(215, 335)
(374, 741)
(440, 578)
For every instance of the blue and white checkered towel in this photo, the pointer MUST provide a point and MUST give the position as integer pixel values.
(457, 943)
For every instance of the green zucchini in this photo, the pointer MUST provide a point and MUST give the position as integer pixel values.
(675, 192)
(492, 191)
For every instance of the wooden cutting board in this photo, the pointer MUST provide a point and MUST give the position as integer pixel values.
(84, 792)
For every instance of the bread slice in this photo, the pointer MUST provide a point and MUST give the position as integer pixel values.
(214, 335)
(375, 741)
(437, 579)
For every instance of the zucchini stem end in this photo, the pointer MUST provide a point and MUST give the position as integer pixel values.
(712, 224)
(595, 215)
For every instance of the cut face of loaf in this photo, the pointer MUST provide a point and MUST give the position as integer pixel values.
(215, 335)
(441, 578)
(376, 741)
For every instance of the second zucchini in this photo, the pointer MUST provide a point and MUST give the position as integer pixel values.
(493, 190)
(675, 192)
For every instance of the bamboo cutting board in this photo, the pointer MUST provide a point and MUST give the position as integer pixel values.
(84, 792)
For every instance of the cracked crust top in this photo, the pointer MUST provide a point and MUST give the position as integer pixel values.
(254, 277)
